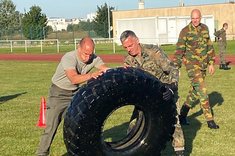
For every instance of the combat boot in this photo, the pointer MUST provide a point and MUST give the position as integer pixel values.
(183, 115)
(179, 153)
(212, 124)
(221, 66)
(224, 67)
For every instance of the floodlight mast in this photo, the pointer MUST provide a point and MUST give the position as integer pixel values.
(141, 4)
(181, 3)
(108, 21)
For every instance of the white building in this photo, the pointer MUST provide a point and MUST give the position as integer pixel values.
(59, 24)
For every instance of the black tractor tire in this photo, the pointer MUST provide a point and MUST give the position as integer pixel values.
(96, 100)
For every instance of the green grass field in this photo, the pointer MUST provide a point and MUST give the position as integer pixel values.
(24, 83)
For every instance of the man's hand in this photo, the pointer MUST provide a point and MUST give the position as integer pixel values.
(96, 74)
(126, 66)
(169, 91)
(168, 94)
(211, 69)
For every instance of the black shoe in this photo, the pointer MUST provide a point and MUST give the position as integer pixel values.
(227, 67)
(212, 124)
(183, 120)
(221, 66)
(179, 153)
(224, 67)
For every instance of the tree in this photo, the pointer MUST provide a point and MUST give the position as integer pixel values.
(9, 17)
(101, 21)
(72, 27)
(34, 24)
(86, 26)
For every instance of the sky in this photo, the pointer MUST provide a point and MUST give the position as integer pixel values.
(80, 8)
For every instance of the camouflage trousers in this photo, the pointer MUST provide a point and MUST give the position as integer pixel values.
(178, 142)
(198, 91)
(222, 51)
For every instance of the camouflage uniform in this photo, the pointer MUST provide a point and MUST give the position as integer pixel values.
(221, 34)
(195, 49)
(154, 61)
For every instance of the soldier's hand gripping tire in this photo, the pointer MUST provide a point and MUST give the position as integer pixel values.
(95, 101)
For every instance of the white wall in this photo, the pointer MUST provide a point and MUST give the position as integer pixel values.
(159, 30)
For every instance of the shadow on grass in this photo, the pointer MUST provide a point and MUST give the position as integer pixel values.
(10, 97)
(190, 131)
(116, 133)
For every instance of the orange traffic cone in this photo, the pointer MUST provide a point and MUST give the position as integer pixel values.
(42, 116)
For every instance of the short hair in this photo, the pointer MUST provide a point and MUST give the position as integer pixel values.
(126, 34)
(225, 24)
(86, 39)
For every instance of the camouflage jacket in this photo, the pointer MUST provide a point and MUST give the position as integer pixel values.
(154, 61)
(221, 34)
(194, 46)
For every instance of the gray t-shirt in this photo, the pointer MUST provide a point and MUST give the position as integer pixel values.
(71, 61)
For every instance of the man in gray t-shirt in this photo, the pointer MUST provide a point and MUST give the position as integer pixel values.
(73, 70)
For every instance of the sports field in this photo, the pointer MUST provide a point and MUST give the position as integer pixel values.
(23, 83)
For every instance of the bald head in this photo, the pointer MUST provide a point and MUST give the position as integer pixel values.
(196, 12)
(86, 49)
(196, 17)
(86, 41)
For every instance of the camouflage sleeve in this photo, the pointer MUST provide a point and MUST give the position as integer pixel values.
(180, 49)
(128, 60)
(217, 33)
(168, 67)
(211, 51)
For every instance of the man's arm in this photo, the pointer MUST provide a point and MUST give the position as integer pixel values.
(76, 78)
(180, 49)
(211, 51)
(217, 33)
(103, 67)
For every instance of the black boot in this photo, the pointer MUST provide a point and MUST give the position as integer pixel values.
(183, 115)
(179, 153)
(224, 67)
(212, 124)
(221, 66)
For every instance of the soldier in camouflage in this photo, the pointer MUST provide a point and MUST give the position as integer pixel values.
(221, 35)
(152, 59)
(194, 48)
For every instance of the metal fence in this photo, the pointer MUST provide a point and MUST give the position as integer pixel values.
(102, 45)
(53, 45)
(26, 44)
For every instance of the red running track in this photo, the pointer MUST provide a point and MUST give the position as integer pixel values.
(109, 58)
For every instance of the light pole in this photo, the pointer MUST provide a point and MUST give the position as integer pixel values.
(108, 22)
(181, 3)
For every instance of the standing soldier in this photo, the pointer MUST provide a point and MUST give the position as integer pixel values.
(221, 35)
(152, 59)
(195, 49)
